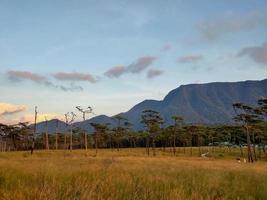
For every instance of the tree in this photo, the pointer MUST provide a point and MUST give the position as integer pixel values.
(122, 125)
(152, 121)
(70, 117)
(34, 130)
(100, 129)
(192, 130)
(178, 121)
(88, 110)
(247, 117)
(56, 134)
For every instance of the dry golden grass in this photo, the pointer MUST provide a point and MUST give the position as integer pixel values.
(127, 174)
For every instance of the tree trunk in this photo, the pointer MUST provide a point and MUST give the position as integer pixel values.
(147, 146)
(96, 145)
(199, 148)
(259, 151)
(154, 146)
(71, 137)
(250, 157)
(85, 141)
(34, 131)
(254, 148)
(174, 145)
(46, 141)
(56, 141)
(65, 141)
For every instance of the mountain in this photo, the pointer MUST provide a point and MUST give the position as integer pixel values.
(209, 103)
(52, 126)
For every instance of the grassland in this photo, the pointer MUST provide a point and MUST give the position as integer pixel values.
(129, 174)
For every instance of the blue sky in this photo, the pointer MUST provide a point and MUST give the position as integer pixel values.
(113, 54)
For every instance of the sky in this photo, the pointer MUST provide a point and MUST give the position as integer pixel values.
(113, 54)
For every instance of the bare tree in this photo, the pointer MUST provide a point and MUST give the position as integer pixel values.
(67, 115)
(34, 130)
(88, 110)
(70, 117)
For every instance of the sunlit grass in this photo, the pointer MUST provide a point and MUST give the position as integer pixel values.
(129, 174)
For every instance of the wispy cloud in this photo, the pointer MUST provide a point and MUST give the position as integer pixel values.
(9, 109)
(71, 88)
(40, 117)
(211, 29)
(116, 71)
(256, 53)
(141, 64)
(136, 67)
(14, 75)
(190, 59)
(74, 76)
(152, 73)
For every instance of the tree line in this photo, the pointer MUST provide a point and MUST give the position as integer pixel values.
(249, 131)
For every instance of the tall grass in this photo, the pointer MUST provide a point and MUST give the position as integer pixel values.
(127, 174)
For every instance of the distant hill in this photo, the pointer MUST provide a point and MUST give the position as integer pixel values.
(51, 126)
(209, 103)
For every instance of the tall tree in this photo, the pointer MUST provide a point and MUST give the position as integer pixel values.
(119, 129)
(100, 130)
(88, 110)
(246, 116)
(178, 121)
(34, 130)
(56, 134)
(152, 121)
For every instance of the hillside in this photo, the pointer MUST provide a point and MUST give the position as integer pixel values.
(209, 103)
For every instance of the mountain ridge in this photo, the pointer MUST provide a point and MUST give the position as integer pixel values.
(209, 103)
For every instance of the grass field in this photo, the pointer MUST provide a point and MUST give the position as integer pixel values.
(129, 174)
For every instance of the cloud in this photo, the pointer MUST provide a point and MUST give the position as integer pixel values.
(116, 71)
(211, 29)
(40, 117)
(7, 112)
(136, 67)
(72, 88)
(16, 76)
(152, 73)
(24, 75)
(141, 64)
(166, 47)
(74, 76)
(190, 59)
(9, 109)
(256, 53)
